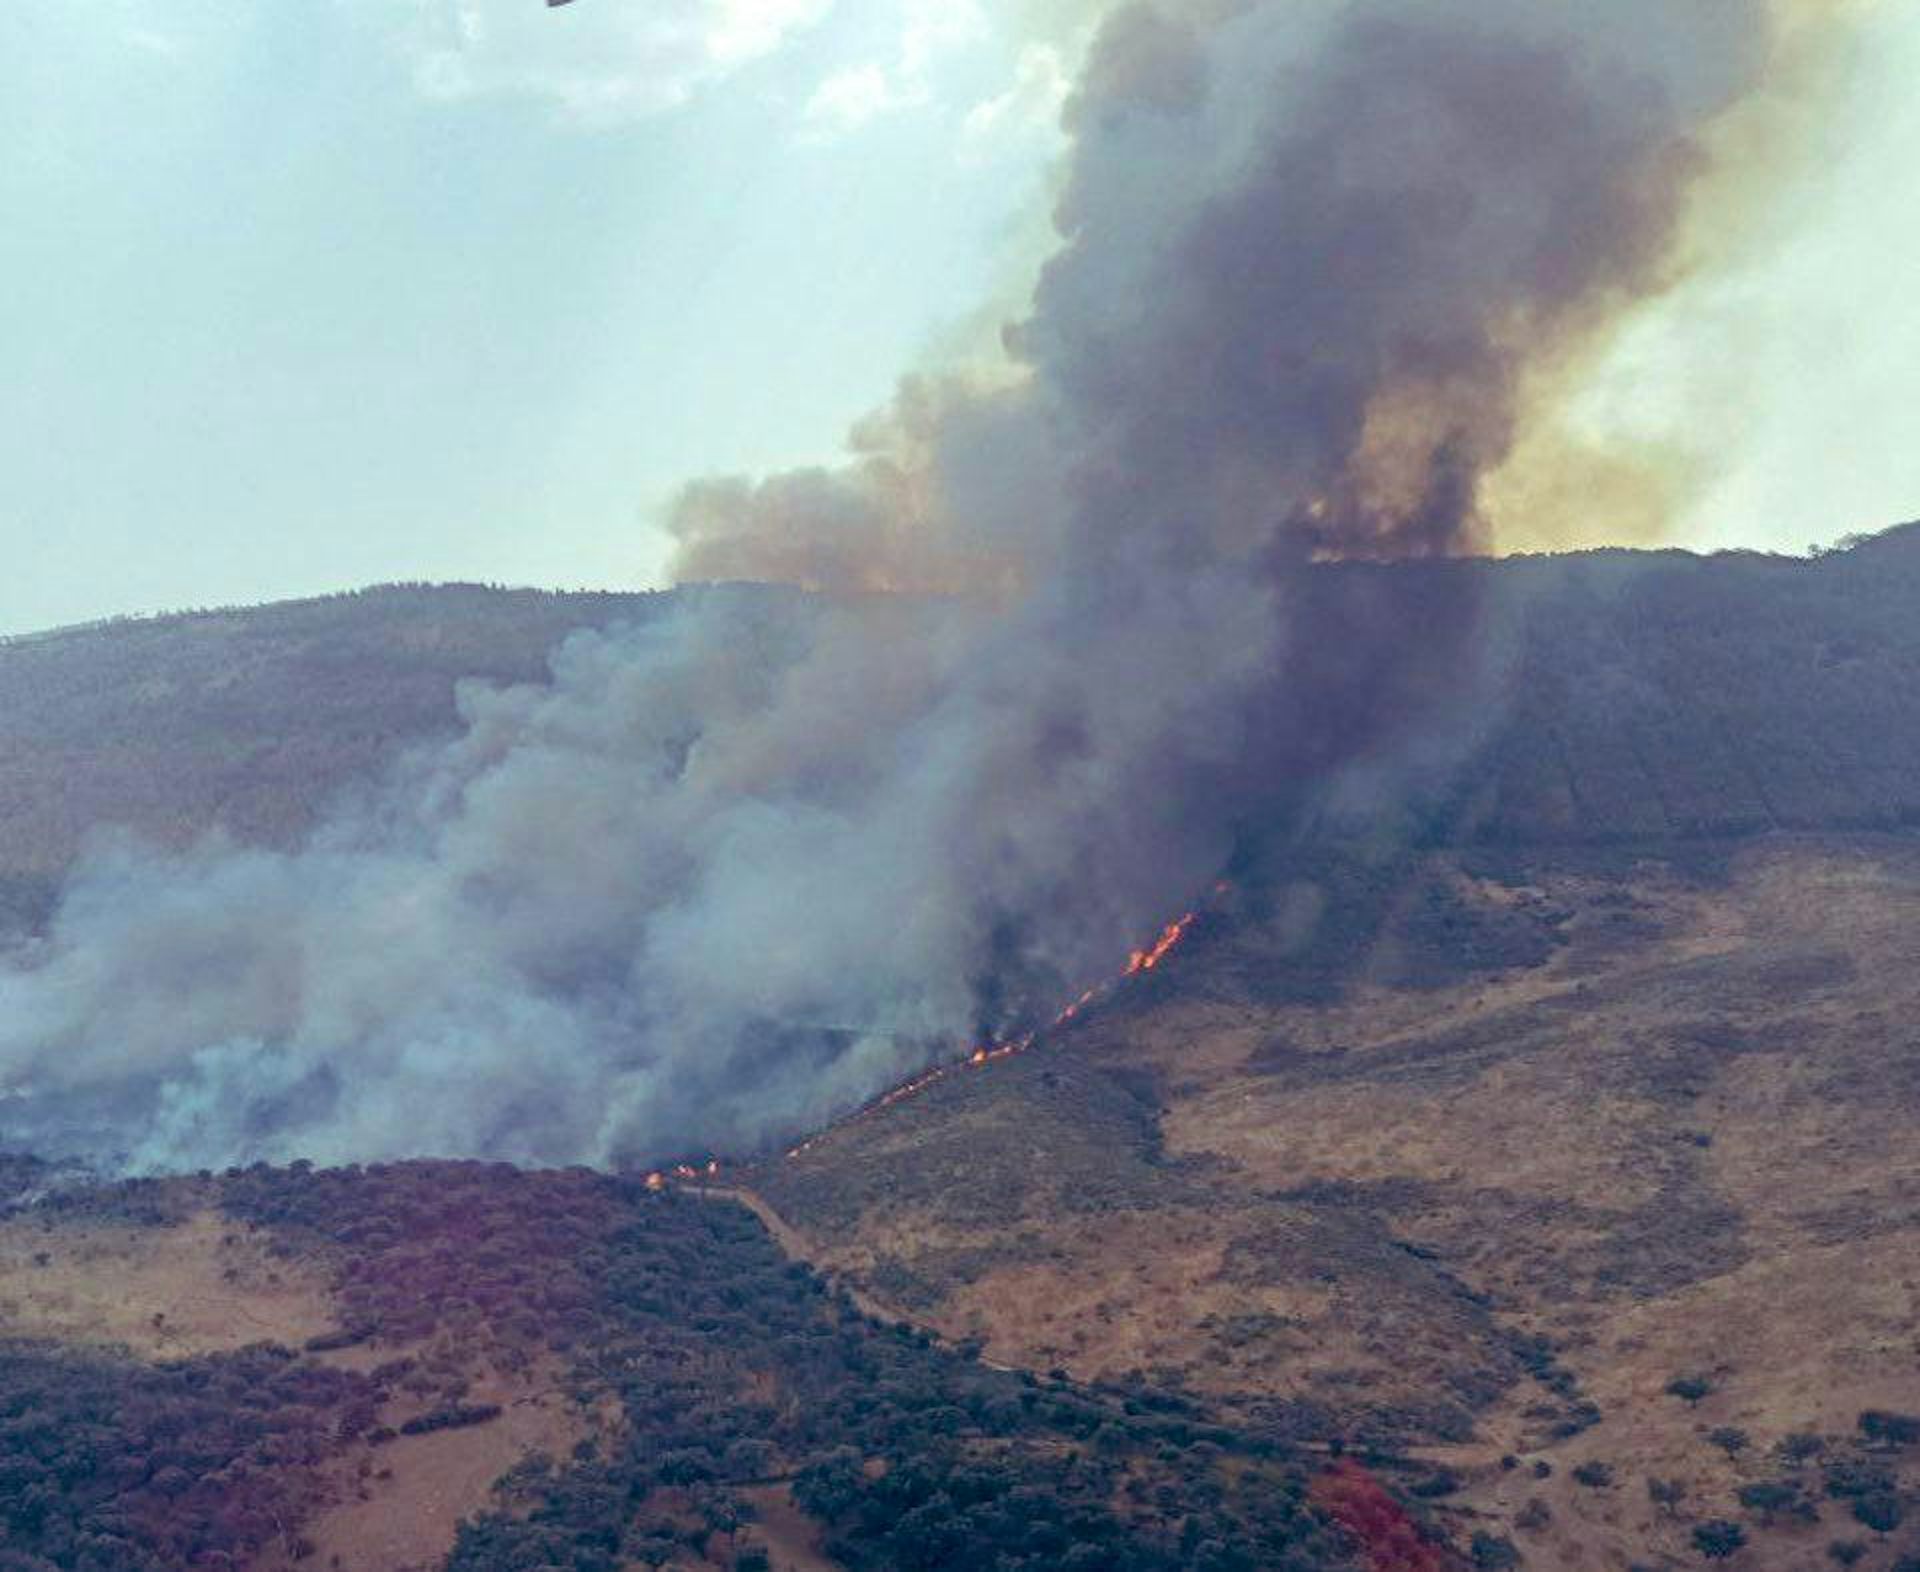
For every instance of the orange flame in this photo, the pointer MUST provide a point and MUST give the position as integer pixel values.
(1137, 961)
(657, 1180)
(1145, 960)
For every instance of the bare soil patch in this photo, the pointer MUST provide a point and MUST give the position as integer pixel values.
(791, 1538)
(198, 1286)
(399, 1505)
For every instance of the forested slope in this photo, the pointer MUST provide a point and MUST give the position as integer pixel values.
(1596, 696)
(688, 1381)
(1653, 694)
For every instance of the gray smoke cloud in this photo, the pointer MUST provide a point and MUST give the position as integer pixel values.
(737, 869)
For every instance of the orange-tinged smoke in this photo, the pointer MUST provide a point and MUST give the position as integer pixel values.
(1470, 429)
(1583, 467)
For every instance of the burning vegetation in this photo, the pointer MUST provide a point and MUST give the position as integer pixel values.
(1315, 266)
(1138, 961)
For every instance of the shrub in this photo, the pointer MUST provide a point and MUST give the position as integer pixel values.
(1689, 1388)
(1889, 1429)
(1880, 1511)
(1850, 1478)
(1718, 1538)
(1770, 1497)
(455, 1416)
(1666, 1494)
(1493, 1554)
(1731, 1439)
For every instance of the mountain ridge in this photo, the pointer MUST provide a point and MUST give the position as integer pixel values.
(1592, 685)
(1530, 1111)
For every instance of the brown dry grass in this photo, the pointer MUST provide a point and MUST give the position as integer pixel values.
(206, 1284)
(196, 1287)
(399, 1506)
(790, 1537)
(1687, 1143)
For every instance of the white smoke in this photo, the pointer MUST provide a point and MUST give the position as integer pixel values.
(744, 865)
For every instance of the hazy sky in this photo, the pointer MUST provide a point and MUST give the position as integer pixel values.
(299, 296)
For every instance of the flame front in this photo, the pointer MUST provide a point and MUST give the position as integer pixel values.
(1137, 961)
(685, 1172)
(1145, 960)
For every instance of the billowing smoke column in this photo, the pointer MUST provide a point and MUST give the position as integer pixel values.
(738, 868)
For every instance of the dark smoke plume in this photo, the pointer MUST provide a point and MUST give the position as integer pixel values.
(736, 870)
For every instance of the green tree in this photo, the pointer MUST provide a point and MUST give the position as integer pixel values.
(1666, 1494)
(1494, 1554)
(1772, 1497)
(1718, 1538)
(1880, 1510)
(1731, 1439)
(1876, 1424)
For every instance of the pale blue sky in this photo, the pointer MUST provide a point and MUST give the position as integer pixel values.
(285, 309)
(303, 294)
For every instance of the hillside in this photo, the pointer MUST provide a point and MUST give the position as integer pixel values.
(458, 1365)
(1601, 696)
(1657, 694)
(1589, 1246)
(1497, 1211)
(248, 720)
(1513, 1163)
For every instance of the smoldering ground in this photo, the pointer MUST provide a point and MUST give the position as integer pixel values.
(739, 868)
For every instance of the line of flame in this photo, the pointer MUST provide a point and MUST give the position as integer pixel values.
(1138, 961)
(1145, 960)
